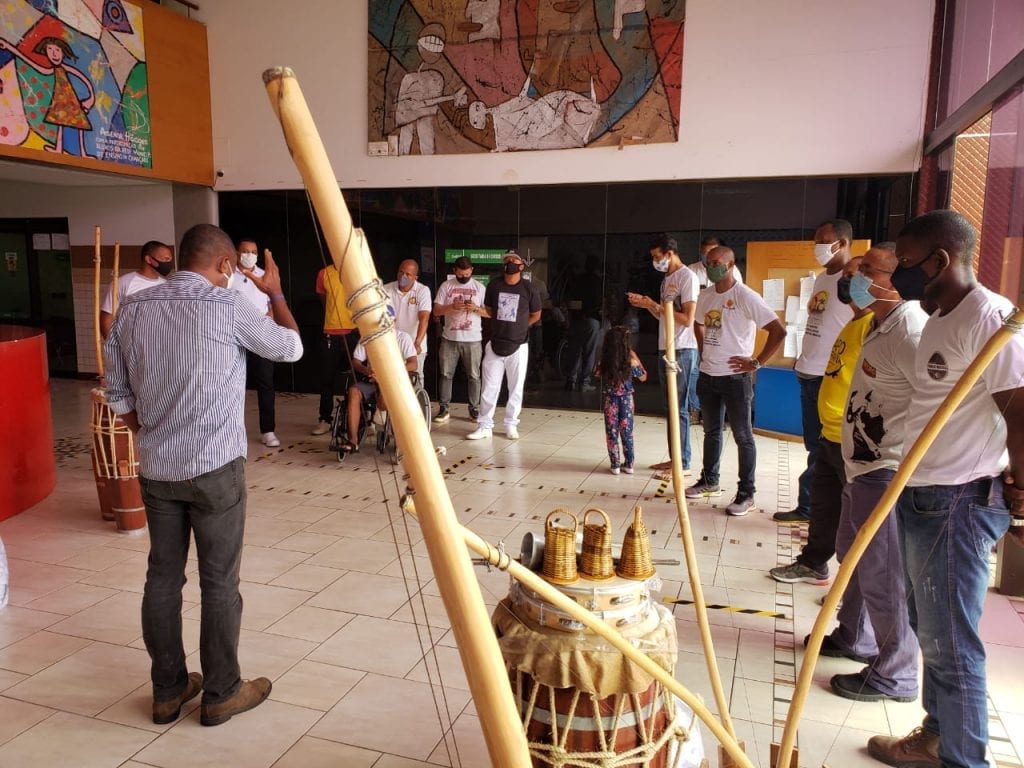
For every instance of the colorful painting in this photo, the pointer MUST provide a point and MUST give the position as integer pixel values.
(73, 79)
(459, 76)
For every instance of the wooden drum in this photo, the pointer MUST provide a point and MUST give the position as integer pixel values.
(116, 467)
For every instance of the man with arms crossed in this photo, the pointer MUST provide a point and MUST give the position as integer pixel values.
(458, 302)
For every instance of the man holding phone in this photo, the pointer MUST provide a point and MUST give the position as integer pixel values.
(458, 303)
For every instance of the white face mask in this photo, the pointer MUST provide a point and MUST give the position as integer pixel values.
(823, 253)
(231, 279)
(247, 259)
(662, 264)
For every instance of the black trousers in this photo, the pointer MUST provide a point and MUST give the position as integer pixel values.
(334, 360)
(261, 377)
(827, 483)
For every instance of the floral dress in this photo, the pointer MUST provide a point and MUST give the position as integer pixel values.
(618, 417)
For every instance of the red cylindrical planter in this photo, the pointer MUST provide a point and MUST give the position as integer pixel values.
(28, 469)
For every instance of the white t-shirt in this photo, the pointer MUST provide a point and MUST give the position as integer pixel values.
(462, 325)
(972, 445)
(127, 284)
(730, 321)
(681, 286)
(700, 269)
(405, 345)
(880, 392)
(408, 306)
(248, 288)
(826, 316)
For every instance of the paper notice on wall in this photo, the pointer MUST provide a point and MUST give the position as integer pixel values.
(774, 293)
(59, 242)
(41, 241)
(794, 341)
(806, 289)
(796, 311)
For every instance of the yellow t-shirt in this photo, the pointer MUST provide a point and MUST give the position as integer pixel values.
(835, 385)
(337, 317)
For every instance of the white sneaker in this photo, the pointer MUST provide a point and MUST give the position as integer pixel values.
(614, 470)
(270, 440)
(321, 428)
(511, 432)
(479, 433)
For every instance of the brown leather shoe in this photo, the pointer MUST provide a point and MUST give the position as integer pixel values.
(918, 749)
(167, 711)
(251, 694)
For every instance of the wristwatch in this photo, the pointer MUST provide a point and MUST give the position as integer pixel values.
(1016, 522)
(756, 363)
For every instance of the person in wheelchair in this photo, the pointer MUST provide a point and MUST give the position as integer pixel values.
(365, 385)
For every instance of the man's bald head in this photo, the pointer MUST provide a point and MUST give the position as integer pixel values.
(204, 246)
(721, 254)
(409, 267)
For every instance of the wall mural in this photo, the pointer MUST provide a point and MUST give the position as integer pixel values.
(73, 79)
(458, 76)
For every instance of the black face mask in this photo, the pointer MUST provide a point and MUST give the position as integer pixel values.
(512, 268)
(843, 289)
(164, 267)
(463, 278)
(910, 282)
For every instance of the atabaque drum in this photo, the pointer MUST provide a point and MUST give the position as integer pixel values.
(116, 467)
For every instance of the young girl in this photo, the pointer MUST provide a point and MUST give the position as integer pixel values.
(617, 367)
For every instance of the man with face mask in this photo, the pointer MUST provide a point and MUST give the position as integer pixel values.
(826, 315)
(261, 370)
(828, 477)
(700, 266)
(680, 286)
(873, 620)
(459, 302)
(176, 375)
(512, 304)
(411, 300)
(966, 493)
(157, 263)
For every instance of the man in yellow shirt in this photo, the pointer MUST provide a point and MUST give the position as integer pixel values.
(337, 344)
(829, 477)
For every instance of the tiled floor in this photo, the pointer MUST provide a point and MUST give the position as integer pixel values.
(341, 611)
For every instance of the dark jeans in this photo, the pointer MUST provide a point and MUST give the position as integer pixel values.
(261, 376)
(334, 360)
(828, 480)
(731, 394)
(947, 533)
(212, 506)
(685, 359)
(812, 431)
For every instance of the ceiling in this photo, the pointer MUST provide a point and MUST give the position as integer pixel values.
(38, 173)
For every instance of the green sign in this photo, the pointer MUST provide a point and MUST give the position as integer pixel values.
(475, 255)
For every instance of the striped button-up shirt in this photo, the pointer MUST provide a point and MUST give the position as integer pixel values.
(176, 356)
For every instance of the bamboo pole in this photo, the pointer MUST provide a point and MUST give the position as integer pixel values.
(113, 282)
(96, 260)
(566, 604)
(460, 591)
(686, 532)
(912, 458)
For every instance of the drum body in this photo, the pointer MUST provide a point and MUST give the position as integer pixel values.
(115, 467)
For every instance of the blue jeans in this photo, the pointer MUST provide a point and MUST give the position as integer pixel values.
(947, 533)
(212, 506)
(733, 395)
(692, 400)
(812, 431)
(686, 359)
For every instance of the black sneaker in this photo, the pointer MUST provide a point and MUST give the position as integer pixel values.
(793, 517)
(442, 415)
(474, 413)
(831, 648)
(855, 687)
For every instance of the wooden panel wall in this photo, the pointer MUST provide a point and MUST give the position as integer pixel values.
(179, 101)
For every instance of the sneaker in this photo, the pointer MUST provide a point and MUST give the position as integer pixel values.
(793, 517)
(474, 413)
(270, 440)
(511, 432)
(796, 572)
(322, 428)
(380, 418)
(832, 649)
(251, 694)
(854, 686)
(442, 415)
(165, 712)
(628, 469)
(740, 506)
(614, 470)
(918, 749)
(702, 489)
(479, 433)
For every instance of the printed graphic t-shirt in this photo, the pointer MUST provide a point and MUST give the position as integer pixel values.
(510, 307)
(730, 321)
(681, 286)
(826, 315)
(463, 325)
(972, 445)
(835, 386)
(408, 306)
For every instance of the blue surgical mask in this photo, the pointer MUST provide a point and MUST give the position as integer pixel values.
(860, 292)
(404, 282)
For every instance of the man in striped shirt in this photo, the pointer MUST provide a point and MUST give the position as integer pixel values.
(176, 374)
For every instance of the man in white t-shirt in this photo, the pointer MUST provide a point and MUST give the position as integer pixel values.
(680, 287)
(728, 316)
(157, 263)
(965, 494)
(458, 302)
(411, 300)
(260, 370)
(826, 316)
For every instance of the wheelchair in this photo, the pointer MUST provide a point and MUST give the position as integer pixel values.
(385, 434)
